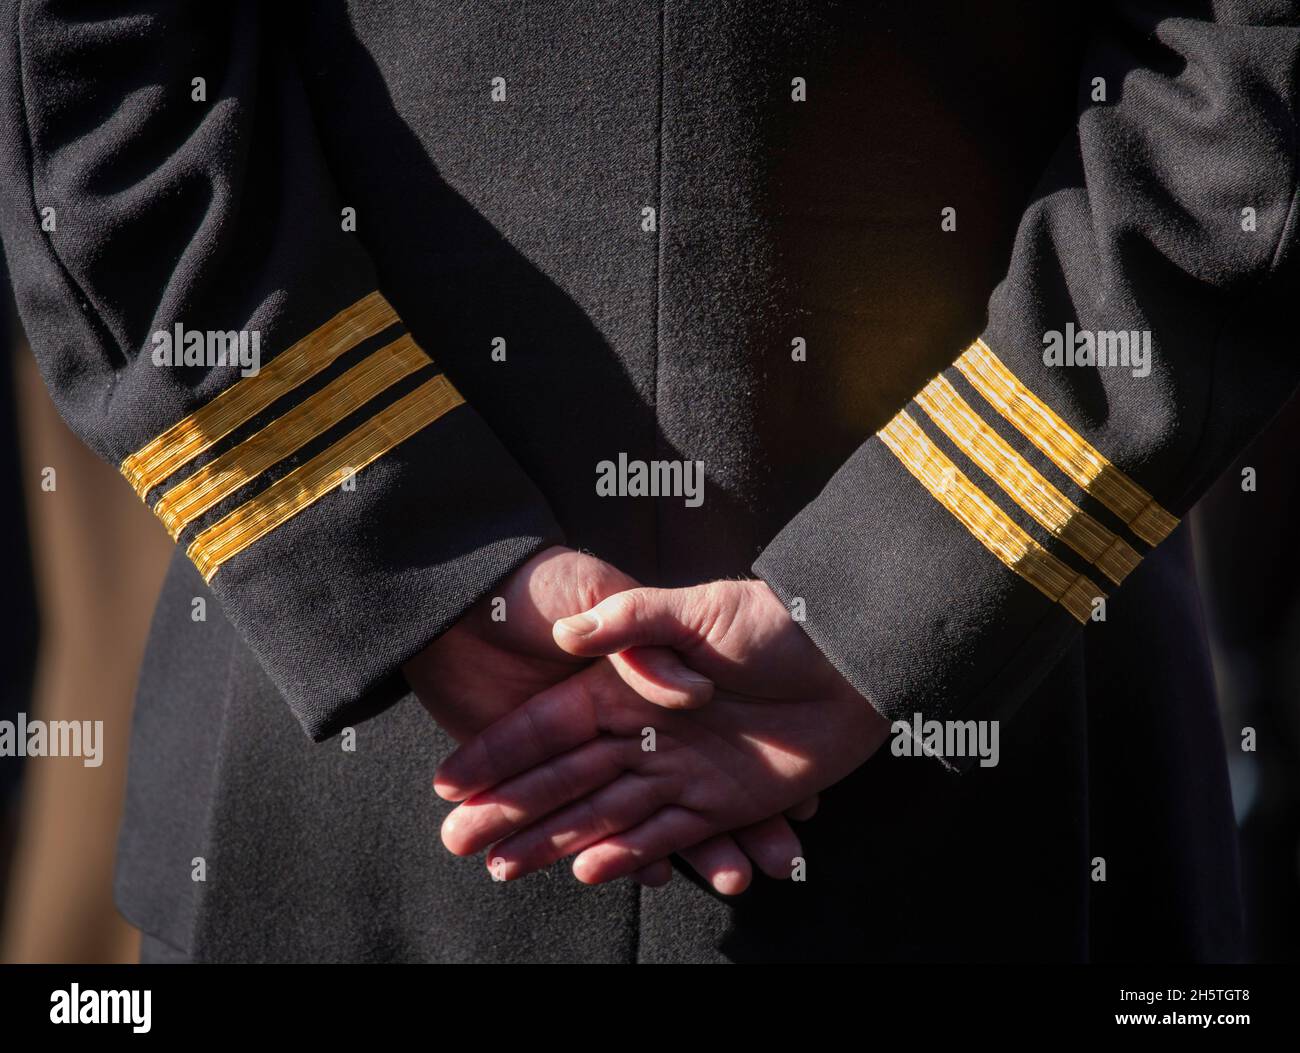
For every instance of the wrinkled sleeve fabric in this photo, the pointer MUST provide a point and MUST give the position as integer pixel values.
(1140, 339)
(207, 320)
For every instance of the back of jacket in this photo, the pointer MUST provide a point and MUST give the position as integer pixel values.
(739, 235)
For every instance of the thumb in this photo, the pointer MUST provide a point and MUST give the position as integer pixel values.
(658, 676)
(635, 618)
(639, 628)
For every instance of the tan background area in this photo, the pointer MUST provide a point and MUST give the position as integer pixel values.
(99, 558)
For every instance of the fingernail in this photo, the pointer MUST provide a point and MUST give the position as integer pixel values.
(692, 677)
(729, 882)
(579, 624)
(446, 789)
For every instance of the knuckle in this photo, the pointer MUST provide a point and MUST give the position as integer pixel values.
(537, 737)
(716, 610)
(628, 607)
(591, 821)
(591, 703)
(601, 580)
(624, 754)
(489, 765)
(498, 817)
(559, 785)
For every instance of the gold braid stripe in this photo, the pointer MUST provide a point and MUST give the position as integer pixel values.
(214, 482)
(990, 526)
(1023, 483)
(307, 483)
(188, 438)
(1066, 448)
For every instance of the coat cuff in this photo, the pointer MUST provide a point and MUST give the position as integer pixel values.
(345, 506)
(950, 562)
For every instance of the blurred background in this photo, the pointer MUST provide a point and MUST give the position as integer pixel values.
(82, 563)
(1249, 572)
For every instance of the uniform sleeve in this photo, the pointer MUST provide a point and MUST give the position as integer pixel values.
(206, 321)
(1140, 339)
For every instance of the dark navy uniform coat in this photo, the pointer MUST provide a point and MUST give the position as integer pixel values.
(821, 247)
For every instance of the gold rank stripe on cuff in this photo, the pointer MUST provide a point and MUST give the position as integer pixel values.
(235, 468)
(1023, 483)
(1068, 450)
(985, 520)
(310, 481)
(182, 442)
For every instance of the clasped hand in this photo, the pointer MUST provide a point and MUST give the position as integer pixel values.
(693, 721)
